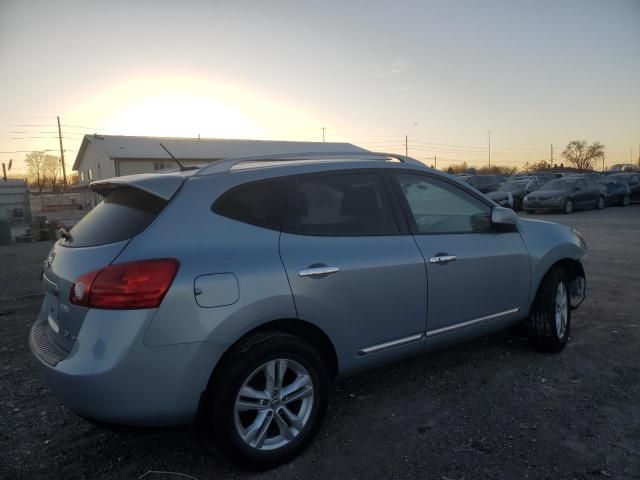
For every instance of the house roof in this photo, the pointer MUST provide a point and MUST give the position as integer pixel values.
(148, 148)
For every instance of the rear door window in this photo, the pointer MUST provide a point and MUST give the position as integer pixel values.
(124, 213)
(340, 204)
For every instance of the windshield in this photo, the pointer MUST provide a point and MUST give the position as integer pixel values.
(124, 213)
(560, 184)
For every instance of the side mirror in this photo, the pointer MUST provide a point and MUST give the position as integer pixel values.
(504, 217)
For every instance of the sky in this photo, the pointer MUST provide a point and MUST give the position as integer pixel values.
(441, 73)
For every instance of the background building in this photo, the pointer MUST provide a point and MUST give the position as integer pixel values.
(14, 200)
(106, 156)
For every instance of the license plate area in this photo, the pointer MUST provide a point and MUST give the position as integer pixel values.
(52, 302)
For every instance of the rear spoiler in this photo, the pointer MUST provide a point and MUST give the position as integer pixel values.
(159, 185)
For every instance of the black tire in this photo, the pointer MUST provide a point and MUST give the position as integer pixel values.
(567, 206)
(217, 419)
(600, 203)
(625, 200)
(543, 331)
(517, 205)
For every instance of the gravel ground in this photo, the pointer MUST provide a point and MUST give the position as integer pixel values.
(489, 408)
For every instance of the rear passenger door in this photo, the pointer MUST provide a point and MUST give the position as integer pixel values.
(354, 269)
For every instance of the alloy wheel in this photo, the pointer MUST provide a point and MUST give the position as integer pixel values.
(562, 310)
(274, 404)
(568, 206)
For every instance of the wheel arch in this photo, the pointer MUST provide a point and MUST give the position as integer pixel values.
(307, 331)
(576, 277)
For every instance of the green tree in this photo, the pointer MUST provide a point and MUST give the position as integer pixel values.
(582, 155)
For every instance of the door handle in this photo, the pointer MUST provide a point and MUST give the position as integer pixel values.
(316, 271)
(442, 259)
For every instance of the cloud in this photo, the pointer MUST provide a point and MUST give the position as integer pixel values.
(399, 65)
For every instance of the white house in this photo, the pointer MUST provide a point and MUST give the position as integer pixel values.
(106, 156)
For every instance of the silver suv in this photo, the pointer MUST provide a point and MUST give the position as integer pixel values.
(231, 295)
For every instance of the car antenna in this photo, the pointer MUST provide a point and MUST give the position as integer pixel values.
(174, 158)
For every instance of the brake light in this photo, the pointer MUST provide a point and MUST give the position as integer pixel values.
(130, 285)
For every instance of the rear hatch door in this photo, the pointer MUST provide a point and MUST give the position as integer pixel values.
(130, 205)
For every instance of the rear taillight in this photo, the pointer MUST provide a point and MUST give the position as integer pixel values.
(128, 285)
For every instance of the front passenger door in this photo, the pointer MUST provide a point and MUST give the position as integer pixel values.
(475, 273)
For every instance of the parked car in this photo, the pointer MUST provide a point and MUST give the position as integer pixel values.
(511, 193)
(231, 295)
(618, 192)
(595, 177)
(624, 167)
(566, 195)
(484, 183)
(632, 180)
(543, 177)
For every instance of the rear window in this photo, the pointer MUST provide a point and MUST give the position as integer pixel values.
(124, 213)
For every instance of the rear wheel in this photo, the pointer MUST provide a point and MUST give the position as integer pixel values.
(567, 207)
(269, 400)
(600, 203)
(550, 319)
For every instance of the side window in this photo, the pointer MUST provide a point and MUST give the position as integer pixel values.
(339, 204)
(259, 203)
(439, 207)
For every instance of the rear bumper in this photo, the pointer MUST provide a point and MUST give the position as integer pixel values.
(111, 376)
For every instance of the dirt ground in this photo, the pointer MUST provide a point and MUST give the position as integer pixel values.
(490, 408)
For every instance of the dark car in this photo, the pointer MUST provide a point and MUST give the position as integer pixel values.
(618, 193)
(511, 193)
(566, 195)
(632, 180)
(484, 183)
(593, 176)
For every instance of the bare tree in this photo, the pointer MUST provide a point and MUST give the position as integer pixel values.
(51, 167)
(582, 155)
(36, 169)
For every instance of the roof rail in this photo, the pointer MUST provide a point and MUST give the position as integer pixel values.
(235, 163)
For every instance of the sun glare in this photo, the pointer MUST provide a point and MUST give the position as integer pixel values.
(182, 106)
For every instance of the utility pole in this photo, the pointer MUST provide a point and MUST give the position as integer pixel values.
(435, 162)
(603, 163)
(489, 149)
(551, 158)
(64, 170)
(406, 145)
(323, 129)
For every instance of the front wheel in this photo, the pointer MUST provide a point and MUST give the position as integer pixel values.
(517, 204)
(567, 207)
(550, 319)
(268, 401)
(600, 203)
